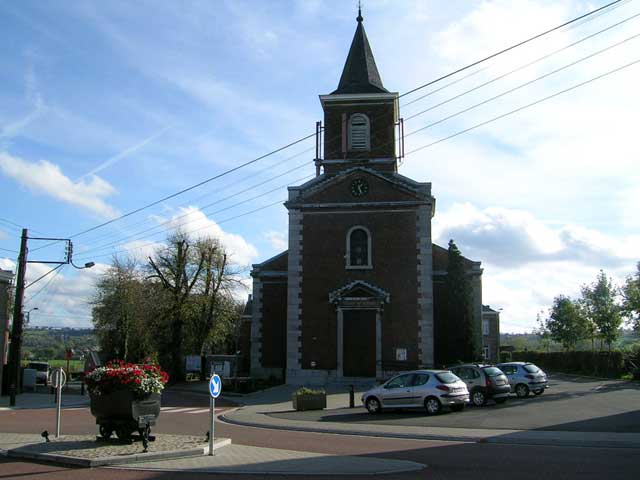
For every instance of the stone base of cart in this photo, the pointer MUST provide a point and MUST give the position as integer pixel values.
(86, 451)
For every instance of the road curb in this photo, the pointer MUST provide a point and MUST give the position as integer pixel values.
(360, 433)
(59, 459)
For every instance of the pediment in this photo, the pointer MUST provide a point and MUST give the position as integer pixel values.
(360, 290)
(380, 188)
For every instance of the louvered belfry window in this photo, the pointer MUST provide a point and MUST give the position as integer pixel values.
(359, 132)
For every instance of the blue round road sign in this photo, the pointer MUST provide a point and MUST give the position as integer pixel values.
(215, 386)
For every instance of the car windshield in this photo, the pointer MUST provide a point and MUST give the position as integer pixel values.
(447, 377)
(531, 368)
(492, 371)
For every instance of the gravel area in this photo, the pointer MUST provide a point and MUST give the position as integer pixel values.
(87, 447)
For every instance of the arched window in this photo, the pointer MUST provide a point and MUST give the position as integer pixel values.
(358, 248)
(359, 132)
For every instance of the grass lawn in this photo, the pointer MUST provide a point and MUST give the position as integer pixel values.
(76, 366)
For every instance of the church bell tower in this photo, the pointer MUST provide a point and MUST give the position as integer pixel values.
(360, 116)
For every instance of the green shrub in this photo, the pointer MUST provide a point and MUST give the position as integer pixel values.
(606, 364)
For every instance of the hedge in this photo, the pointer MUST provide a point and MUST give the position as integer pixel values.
(603, 364)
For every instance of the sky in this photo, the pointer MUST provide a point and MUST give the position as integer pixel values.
(109, 106)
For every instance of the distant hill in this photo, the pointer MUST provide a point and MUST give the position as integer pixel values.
(46, 343)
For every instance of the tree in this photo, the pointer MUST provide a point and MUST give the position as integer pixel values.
(177, 267)
(459, 325)
(543, 333)
(116, 307)
(566, 323)
(601, 308)
(631, 299)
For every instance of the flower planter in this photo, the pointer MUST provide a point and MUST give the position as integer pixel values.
(125, 397)
(122, 412)
(309, 401)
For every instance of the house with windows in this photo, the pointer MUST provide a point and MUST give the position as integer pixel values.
(356, 294)
(490, 334)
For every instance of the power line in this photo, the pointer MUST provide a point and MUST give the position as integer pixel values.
(193, 220)
(519, 44)
(511, 90)
(279, 202)
(44, 287)
(168, 197)
(243, 180)
(119, 241)
(539, 59)
(201, 208)
(573, 87)
(187, 189)
(7, 250)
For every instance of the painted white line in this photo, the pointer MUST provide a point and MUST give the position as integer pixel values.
(201, 410)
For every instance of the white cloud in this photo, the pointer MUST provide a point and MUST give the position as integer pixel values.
(277, 240)
(192, 221)
(512, 238)
(527, 262)
(47, 178)
(7, 264)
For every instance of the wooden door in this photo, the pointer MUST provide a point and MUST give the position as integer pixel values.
(359, 343)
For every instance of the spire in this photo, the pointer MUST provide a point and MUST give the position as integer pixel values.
(360, 74)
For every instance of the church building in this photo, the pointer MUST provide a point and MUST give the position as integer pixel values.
(356, 294)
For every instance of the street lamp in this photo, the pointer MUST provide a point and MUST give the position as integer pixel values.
(86, 265)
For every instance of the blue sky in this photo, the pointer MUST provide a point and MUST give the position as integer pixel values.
(106, 106)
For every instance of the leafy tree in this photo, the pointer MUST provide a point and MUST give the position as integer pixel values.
(566, 322)
(631, 298)
(459, 325)
(601, 308)
(116, 304)
(177, 268)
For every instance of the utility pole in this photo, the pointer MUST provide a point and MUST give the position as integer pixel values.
(16, 330)
(18, 317)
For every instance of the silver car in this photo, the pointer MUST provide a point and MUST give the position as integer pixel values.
(428, 389)
(524, 377)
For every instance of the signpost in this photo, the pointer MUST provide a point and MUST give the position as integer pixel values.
(215, 389)
(58, 379)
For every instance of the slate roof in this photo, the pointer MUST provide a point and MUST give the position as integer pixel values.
(360, 74)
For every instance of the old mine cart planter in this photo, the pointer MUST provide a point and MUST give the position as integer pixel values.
(122, 413)
(125, 398)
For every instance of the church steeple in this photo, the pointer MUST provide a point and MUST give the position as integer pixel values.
(360, 74)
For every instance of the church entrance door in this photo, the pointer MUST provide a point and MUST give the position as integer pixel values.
(359, 343)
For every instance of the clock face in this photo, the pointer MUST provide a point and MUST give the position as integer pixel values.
(359, 187)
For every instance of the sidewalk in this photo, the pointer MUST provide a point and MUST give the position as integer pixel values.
(229, 459)
(258, 406)
(44, 400)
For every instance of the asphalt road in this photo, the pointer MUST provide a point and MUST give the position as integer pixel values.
(570, 404)
(445, 460)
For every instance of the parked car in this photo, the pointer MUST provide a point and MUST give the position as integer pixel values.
(42, 371)
(524, 378)
(432, 390)
(484, 382)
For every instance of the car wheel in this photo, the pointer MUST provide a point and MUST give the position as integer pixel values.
(500, 400)
(522, 390)
(432, 406)
(457, 408)
(478, 398)
(538, 392)
(373, 405)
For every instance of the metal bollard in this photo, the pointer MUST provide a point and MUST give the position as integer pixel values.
(351, 397)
